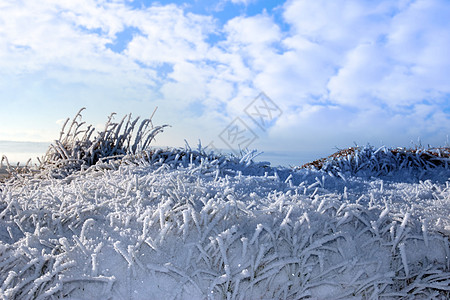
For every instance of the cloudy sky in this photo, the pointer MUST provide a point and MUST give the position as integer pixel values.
(331, 72)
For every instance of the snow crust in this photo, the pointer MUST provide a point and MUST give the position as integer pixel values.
(204, 227)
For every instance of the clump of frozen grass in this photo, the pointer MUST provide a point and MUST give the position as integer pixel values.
(79, 146)
(382, 161)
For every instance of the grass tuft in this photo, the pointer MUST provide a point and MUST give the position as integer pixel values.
(80, 147)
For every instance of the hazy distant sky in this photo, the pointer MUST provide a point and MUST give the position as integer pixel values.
(339, 71)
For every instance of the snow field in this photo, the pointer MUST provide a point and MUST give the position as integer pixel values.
(209, 228)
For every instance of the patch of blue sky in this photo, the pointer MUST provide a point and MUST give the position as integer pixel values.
(215, 38)
(196, 109)
(122, 39)
(222, 108)
(382, 39)
(163, 70)
(447, 109)
(446, 105)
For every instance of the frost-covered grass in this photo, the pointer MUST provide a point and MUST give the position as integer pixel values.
(371, 161)
(103, 219)
(79, 146)
(190, 225)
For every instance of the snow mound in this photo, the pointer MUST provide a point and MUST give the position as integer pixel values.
(374, 162)
(186, 225)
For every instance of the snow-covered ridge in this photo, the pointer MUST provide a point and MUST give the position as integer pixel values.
(368, 160)
(191, 225)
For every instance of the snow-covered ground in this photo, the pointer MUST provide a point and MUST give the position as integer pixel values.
(199, 227)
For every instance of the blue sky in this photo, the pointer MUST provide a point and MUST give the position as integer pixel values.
(338, 71)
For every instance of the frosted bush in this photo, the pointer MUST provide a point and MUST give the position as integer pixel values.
(80, 146)
(382, 161)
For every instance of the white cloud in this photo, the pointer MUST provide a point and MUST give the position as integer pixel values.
(340, 24)
(259, 29)
(357, 81)
(50, 39)
(169, 35)
(407, 67)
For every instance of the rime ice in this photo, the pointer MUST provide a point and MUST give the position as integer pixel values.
(185, 224)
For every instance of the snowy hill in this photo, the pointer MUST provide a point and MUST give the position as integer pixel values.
(185, 225)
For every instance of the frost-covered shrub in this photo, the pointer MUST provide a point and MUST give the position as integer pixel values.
(79, 146)
(371, 161)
